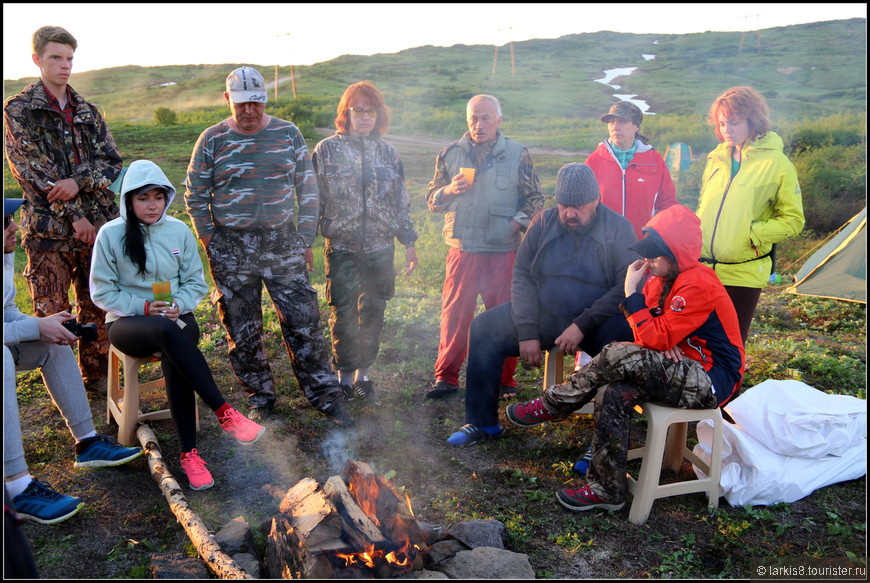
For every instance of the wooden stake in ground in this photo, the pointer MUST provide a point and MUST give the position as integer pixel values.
(219, 562)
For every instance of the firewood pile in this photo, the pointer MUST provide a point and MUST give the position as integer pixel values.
(356, 525)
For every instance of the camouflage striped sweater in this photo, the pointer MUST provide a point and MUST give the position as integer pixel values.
(363, 201)
(252, 181)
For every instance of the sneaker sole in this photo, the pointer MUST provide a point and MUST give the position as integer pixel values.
(107, 463)
(253, 441)
(51, 520)
(205, 487)
(570, 506)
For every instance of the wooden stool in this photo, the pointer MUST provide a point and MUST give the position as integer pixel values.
(554, 373)
(122, 403)
(666, 446)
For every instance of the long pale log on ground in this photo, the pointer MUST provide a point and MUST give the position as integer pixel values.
(219, 562)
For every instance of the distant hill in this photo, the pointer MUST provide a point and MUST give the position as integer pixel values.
(805, 71)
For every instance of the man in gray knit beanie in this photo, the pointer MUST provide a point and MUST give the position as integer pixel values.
(576, 185)
(568, 282)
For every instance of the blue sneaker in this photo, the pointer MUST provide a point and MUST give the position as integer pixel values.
(469, 435)
(102, 450)
(42, 504)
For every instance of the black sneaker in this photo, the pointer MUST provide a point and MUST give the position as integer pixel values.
(441, 390)
(338, 415)
(347, 392)
(364, 389)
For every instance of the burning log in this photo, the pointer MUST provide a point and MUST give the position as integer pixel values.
(219, 562)
(357, 524)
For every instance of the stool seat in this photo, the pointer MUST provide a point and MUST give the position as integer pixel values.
(122, 402)
(554, 374)
(666, 446)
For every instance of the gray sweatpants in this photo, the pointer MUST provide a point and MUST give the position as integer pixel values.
(62, 378)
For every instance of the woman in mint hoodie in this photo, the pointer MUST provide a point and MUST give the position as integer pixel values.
(141, 247)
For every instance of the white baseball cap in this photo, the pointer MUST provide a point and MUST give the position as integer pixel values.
(245, 84)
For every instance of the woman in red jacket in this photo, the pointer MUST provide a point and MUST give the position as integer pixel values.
(687, 352)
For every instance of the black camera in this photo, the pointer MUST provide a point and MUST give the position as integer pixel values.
(84, 331)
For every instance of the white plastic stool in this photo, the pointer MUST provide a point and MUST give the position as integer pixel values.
(666, 446)
(122, 403)
(554, 374)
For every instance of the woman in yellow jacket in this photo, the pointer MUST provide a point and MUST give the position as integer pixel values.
(750, 199)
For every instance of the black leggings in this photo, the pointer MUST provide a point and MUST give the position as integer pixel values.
(184, 367)
(745, 299)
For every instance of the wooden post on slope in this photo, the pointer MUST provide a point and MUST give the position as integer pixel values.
(276, 82)
(494, 61)
(293, 80)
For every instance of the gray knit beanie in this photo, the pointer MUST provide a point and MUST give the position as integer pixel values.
(576, 185)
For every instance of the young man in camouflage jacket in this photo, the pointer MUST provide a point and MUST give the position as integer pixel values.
(62, 154)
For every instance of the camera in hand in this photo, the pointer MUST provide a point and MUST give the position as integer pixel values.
(84, 331)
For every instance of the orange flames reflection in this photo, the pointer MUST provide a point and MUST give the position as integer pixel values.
(366, 491)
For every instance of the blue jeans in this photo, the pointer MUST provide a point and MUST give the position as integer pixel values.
(493, 337)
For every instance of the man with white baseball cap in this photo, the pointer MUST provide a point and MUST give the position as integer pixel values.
(247, 175)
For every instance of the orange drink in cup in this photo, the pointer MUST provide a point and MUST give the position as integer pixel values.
(469, 175)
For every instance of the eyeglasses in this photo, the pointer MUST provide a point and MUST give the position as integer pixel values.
(359, 111)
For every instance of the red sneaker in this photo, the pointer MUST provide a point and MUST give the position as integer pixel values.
(240, 427)
(529, 414)
(194, 467)
(584, 498)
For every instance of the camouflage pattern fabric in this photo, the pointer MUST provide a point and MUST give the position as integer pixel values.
(241, 262)
(621, 376)
(49, 275)
(41, 149)
(253, 181)
(358, 286)
(363, 201)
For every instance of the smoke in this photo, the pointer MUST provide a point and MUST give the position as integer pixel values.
(335, 450)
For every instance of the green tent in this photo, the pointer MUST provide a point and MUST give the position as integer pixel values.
(838, 270)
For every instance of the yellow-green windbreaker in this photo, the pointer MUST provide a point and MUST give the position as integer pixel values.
(742, 218)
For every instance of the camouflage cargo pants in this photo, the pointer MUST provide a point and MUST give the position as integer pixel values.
(623, 375)
(49, 275)
(358, 286)
(241, 262)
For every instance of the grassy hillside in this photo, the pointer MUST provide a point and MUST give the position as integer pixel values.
(804, 70)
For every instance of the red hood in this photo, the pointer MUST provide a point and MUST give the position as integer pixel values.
(680, 229)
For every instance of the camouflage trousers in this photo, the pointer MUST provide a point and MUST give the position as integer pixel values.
(49, 275)
(241, 263)
(621, 376)
(358, 286)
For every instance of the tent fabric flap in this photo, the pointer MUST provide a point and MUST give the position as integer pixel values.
(838, 270)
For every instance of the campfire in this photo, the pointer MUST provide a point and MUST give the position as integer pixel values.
(355, 525)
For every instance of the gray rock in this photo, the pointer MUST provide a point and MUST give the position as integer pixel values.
(177, 566)
(442, 550)
(487, 563)
(235, 537)
(479, 533)
(424, 574)
(249, 563)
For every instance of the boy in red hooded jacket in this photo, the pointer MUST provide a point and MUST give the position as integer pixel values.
(687, 352)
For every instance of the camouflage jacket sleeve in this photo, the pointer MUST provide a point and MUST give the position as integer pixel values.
(441, 179)
(307, 193)
(407, 236)
(199, 185)
(530, 191)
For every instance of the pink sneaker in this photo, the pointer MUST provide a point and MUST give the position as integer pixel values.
(194, 467)
(240, 427)
(529, 414)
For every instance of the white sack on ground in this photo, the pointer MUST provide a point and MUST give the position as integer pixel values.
(792, 418)
(755, 474)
